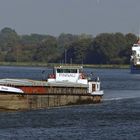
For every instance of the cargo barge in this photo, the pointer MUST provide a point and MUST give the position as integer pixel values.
(67, 85)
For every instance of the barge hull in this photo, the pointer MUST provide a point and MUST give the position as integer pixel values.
(16, 102)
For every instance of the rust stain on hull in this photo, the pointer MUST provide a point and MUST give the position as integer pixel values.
(39, 90)
(34, 89)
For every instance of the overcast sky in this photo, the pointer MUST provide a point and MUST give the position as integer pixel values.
(70, 16)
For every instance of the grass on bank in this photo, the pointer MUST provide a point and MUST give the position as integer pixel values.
(41, 64)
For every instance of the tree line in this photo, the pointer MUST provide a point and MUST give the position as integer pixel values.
(105, 48)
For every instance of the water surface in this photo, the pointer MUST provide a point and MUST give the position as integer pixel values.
(117, 117)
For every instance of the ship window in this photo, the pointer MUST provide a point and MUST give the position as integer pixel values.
(59, 71)
(70, 70)
(66, 70)
(73, 70)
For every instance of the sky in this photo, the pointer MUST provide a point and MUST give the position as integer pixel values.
(54, 17)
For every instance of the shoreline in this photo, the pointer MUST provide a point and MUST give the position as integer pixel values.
(40, 64)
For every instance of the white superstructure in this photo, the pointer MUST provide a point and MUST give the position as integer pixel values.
(68, 74)
(74, 75)
(135, 57)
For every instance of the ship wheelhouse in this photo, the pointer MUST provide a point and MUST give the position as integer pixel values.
(72, 74)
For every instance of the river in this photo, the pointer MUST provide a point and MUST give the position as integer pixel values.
(117, 117)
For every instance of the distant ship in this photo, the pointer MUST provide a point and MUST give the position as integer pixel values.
(135, 58)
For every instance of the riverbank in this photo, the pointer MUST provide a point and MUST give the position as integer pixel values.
(40, 64)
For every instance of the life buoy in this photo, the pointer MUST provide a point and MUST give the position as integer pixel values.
(51, 76)
(82, 76)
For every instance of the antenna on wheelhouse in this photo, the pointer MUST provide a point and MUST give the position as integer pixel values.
(65, 56)
(82, 61)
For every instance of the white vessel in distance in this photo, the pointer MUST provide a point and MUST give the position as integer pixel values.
(135, 58)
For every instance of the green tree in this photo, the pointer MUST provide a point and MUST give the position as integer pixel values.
(105, 49)
(125, 52)
(47, 50)
(78, 50)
